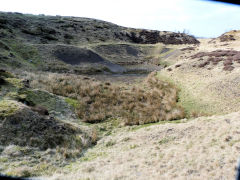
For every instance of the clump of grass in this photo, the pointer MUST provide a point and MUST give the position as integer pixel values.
(166, 140)
(154, 101)
(110, 143)
(72, 102)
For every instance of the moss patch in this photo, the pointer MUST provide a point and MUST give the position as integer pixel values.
(72, 102)
(38, 97)
(15, 96)
(92, 155)
(15, 82)
(7, 108)
(29, 54)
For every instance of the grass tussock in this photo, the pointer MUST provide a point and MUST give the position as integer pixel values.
(151, 101)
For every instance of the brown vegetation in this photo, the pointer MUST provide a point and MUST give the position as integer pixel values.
(224, 38)
(96, 101)
(188, 49)
(225, 56)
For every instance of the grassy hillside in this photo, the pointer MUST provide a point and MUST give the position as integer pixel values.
(88, 99)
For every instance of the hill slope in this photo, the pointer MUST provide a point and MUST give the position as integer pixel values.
(25, 39)
(63, 125)
(206, 147)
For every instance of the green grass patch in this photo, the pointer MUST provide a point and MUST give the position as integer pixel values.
(72, 102)
(110, 143)
(166, 140)
(7, 108)
(91, 156)
(26, 54)
(133, 146)
(15, 82)
(192, 105)
(3, 159)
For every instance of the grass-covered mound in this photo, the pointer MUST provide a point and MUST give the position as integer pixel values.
(36, 134)
(20, 125)
(24, 117)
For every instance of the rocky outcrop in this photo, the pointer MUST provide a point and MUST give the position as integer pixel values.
(153, 37)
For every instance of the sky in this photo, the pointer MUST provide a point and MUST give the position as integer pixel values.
(196, 17)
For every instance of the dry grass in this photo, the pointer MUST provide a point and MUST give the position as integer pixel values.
(204, 148)
(214, 88)
(153, 101)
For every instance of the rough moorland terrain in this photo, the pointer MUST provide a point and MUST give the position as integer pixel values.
(204, 145)
(77, 45)
(78, 101)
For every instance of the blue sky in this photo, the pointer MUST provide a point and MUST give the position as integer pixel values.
(198, 17)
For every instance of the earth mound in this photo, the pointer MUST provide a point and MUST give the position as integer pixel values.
(122, 54)
(78, 56)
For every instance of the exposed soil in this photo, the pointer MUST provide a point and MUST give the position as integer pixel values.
(76, 56)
